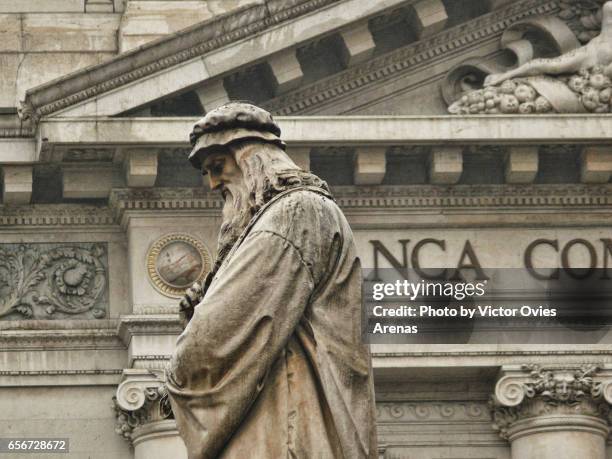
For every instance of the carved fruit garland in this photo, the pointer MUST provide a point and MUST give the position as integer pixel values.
(75, 279)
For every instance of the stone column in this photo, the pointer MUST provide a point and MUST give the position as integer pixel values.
(144, 417)
(553, 413)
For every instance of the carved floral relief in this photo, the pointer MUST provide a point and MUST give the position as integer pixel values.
(52, 281)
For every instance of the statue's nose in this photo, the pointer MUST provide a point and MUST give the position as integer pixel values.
(214, 182)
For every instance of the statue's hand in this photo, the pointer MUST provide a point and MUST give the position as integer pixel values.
(192, 297)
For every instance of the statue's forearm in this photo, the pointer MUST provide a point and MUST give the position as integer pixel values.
(566, 63)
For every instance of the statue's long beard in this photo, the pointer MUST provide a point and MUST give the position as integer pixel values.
(237, 213)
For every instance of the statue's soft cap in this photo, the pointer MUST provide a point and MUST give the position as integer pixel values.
(230, 123)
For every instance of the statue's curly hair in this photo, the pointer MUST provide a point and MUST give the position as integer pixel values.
(268, 171)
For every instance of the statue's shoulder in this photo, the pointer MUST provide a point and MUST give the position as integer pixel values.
(306, 207)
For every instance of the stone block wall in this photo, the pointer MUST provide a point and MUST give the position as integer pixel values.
(41, 40)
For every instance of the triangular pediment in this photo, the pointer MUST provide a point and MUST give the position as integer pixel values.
(325, 57)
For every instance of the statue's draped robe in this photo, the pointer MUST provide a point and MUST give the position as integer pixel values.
(271, 365)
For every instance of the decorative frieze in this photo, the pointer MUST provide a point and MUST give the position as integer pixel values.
(448, 411)
(52, 281)
(60, 339)
(200, 200)
(56, 215)
(389, 196)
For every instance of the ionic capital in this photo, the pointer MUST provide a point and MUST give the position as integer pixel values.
(527, 396)
(140, 400)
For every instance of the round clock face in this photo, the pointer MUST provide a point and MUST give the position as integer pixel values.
(175, 262)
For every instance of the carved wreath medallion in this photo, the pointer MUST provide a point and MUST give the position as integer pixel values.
(175, 262)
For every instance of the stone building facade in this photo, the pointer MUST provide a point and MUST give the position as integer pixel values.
(103, 222)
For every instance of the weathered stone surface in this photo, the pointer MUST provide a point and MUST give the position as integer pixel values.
(141, 168)
(15, 151)
(446, 165)
(99, 6)
(286, 71)
(140, 92)
(10, 33)
(496, 4)
(34, 69)
(521, 164)
(144, 21)
(42, 6)
(430, 17)
(347, 130)
(70, 33)
(87, 183)
(212, 94)
(357, 45)
(370, 166)
(17, 184)
(596, 164)
(42, 408)
(9, 63)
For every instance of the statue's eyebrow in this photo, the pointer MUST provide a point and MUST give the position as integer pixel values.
(215, 164)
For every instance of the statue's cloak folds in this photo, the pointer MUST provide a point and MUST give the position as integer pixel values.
(271, 365)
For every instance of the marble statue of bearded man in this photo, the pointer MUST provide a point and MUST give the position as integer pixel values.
(271, 362)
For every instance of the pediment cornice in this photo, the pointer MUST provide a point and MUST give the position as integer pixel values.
(199, 53)
(171, 58)
(162, 54)
(413, 58)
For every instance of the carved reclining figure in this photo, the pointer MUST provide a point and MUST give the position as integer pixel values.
(577, 81)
